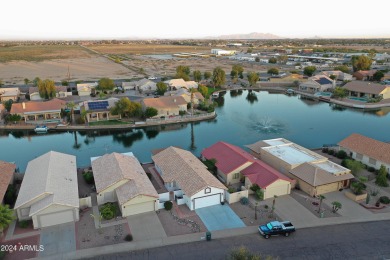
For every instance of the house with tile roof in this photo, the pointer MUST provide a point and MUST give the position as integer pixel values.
(267, 178)
(61, 92)
(317, 83)
(49, 191)
(120, 178)
(146, 86)
(181, 170)
(369, 151)
(9, 94)
(85, 89)
(230, 161)
(7, 171)
(36, 112)
(285, 156)
(99, 110)
(364, 75)
(166, 105)
(340, 76)
(198, 97)
(367, 89)
(175, 84)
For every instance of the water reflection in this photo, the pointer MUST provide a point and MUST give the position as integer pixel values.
(127, 139)
(251, 97)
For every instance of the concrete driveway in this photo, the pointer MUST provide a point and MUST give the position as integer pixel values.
(58, 239)
(145, 226)
(219, 217)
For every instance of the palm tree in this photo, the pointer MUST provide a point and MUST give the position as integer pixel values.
(6, 217)
(193, 90)
(322, 197)
(76, 144)
(71, 105)
(273, 205)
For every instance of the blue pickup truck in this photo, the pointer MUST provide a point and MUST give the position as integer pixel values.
(276, 228)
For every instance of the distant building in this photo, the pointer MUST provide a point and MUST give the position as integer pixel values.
(61, 92)
(340, 76)
(9, 94)
(317, 83)
(85, 89)
(175, 84)
(220, 52)
(364, 75)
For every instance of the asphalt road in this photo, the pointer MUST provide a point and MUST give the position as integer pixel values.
(353, 241)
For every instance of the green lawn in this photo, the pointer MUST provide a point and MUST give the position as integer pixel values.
(211, 90)
(109, 122)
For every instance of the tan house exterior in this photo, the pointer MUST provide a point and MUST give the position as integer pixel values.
(176, 84)
(166, 106)
(340, 76)
(317, 83)
(61, 92)
(85, 89)
(36, 112)
(9, 94)
(367, 89)
(197, 96)
(369, 151)
(49, 191)
(121, 178)
(364, 75)
(99, 110)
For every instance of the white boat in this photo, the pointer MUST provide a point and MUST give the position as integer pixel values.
(41, 129)
(290, 91)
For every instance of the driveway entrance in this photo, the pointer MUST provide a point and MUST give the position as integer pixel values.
(219, 217)
(145, 226)
(58, 239)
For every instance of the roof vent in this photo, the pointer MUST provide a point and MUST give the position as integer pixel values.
(24, 105)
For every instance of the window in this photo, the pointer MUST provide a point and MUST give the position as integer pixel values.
(236, 175)
(207, 190)
(372, 161)
(359, 156)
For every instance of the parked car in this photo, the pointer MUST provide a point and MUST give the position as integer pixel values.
(276, 228)
(151, 78)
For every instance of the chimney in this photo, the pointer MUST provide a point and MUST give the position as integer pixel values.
(174, 100)
(24, 105)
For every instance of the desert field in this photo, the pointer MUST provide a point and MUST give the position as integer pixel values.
(142, 49)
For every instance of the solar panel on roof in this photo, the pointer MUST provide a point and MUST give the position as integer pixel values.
(98, 105)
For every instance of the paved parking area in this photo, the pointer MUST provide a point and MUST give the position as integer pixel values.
(58, 239)
(146, 226)
(219, 217)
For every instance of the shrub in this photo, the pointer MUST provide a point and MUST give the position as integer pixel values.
(168, 205)
(259, 194)
(381, 178)
(80, 120)
(330, 152)
(129, 237)
(266, 206)
(244, 201)
(255, 187)
(108, 211)
(231, 190)
(341, 154)
(371, 169)
(88, 177)
(384, 200)
(23, 224)
(325, 149)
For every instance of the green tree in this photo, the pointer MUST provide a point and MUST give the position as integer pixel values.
(342, 68)
(26, 81)
(322, 197)
(150, 112)
(252, 78)
(336, 206)
(105, 84)
(358, 186)
(8, 104)
(219, 77)
(234, 76)
(65, 83)
(333, 77)
(381, 178)
(71, 105)
(249, 50)
(309, 70)
(126, 108)
(1, 83)
(361, 62)
(273, 71)
(183, 72)
(272, 60)
(197, 75)
(207, 75)
(203, 90)
(339, 92)
(6, 216)
(46, 88)
(378, 75)
(239, 71)
(354, 166)
(161, 88)
(257, 59)
(282, 59)
(36, 81)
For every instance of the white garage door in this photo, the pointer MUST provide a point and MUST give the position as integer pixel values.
(57, 218)
(207, 201)
(134, 209)
(278, 191)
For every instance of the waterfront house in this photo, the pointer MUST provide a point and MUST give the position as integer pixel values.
(9, 94)
(175, 84)
(198, 97)
(85, 89)
(364, 75)
(230, 161)
(340, 76)
(36, 112)
(166, 105)
(317, 83)
(49, 191)
(99, 110)
(7, 171)
(367, 89)
(181, 170)
(369, 151)
(313, 177)
(61, 92)
(120, 178)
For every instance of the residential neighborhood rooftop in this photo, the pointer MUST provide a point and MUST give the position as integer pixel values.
(36, 106)
(263, 174)
(164, 102)
(293, 153)
(365, 87)
(7, 171)
(364, 145)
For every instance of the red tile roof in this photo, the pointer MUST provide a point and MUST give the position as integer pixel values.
(263, 174)
(36, 106)
(228, 156)
(364, 145)
(6, 172)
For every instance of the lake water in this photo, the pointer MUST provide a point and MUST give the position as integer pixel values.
(242, 119)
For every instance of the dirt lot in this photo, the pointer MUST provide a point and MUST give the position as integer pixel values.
(137, 48)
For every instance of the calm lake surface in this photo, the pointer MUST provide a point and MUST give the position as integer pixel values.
(243, 118)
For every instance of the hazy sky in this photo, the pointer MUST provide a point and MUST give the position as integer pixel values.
(60, 19)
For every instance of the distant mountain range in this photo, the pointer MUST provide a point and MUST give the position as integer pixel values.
(248, 36)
